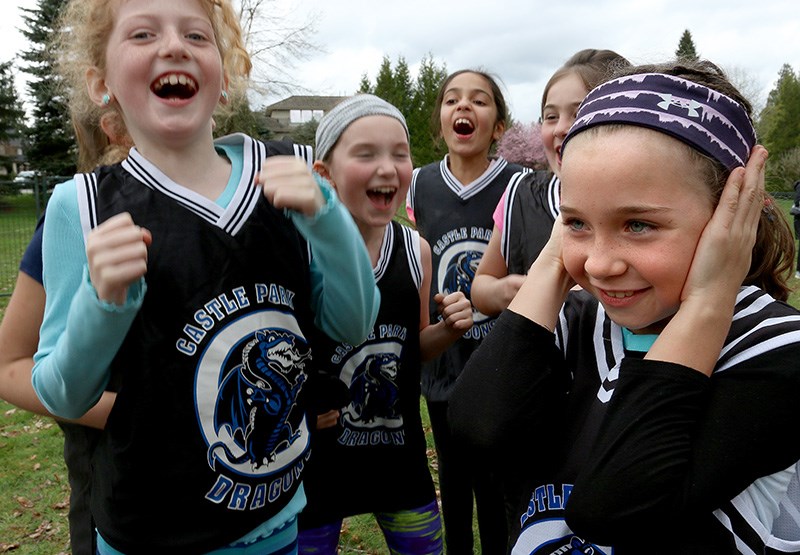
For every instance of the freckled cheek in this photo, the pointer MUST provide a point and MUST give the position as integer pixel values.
(574, 259)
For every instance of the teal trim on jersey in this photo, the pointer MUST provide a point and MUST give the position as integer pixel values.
(345, 298)
(234, 155)
(278, 535)
(637, 342)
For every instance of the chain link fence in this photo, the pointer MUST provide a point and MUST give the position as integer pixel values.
(21, 204)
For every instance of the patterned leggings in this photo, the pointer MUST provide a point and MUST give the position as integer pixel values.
(413, 532)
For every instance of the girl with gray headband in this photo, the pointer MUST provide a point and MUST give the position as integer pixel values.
(368, 454)
(657, 395)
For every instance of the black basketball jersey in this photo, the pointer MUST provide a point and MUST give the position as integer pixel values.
(760, 325)
(457, 222)
(530, 209)
(375, 458)
(206, 440)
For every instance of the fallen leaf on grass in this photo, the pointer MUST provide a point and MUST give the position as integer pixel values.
(27, 503)
(6, 547)
(43, 528)
(9, 412)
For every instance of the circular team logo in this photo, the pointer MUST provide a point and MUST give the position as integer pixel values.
(371, 374)
(457, 268)
(246, 391)
(553, 537)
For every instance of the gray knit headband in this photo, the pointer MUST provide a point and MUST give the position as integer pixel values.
(346, 112)
(701, 117)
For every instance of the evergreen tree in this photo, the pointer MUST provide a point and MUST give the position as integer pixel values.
(364, 86)
(50, 143)
(779, 122)
(237, 118)
(425, 145)
(402, 95)
(306, 133)
(686, 49)
(12, 114)
(384, 81)
(415, 99)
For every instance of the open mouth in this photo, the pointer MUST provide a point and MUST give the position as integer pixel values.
(382, 196)
(174, 86)
(463, 127)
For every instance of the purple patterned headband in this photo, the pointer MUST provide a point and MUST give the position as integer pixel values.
(701, 117)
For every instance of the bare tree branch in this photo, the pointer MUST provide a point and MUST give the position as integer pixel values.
(276, 44)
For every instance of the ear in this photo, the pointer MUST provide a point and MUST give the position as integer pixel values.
(322, 169)
(96, 85)
(224, 95)
(499, 129)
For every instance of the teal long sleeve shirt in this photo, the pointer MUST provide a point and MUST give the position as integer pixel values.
(81, 334)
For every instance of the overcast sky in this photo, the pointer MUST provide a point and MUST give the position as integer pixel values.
(522, 41)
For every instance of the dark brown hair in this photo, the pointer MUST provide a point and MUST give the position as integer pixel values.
(497, 94)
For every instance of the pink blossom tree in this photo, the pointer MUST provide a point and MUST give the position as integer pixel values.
(522, 144)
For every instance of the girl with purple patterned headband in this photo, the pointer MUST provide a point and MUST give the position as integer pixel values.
(656, 394)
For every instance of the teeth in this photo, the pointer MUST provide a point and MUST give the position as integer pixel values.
(619, 294)
(465, 121)
(174, 79)
(384, 190)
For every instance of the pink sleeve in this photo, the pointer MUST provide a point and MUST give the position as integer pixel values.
(499, 212)
(410, 212)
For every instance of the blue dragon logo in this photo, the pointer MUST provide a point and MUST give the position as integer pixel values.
(461, 272)
(373, 390)
(256, 398)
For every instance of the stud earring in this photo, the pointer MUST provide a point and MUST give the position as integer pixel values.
(224, 95)
(106, 99)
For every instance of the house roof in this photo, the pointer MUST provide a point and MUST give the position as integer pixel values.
(324, 103)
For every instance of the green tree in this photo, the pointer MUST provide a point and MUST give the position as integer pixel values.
(12, 115)
(50, 143)
(415, 98)
(306, 133)
(364, 86)
(384, 81)
(779, 121)
(426, 147)
(238, 118)
(686, 49)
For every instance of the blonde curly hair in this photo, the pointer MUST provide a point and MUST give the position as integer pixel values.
(80, 42)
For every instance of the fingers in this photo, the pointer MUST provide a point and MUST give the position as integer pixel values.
(456, 310)
(288, 183)
(742, 199)
(327, 419)
(117, 254)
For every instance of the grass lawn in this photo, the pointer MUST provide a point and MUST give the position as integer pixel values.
(33, 478)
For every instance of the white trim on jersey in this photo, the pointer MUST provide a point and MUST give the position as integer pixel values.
(230, 218)
(86, 188)
(508, 205)
(385, 254)
(747, 342)
(411, 239)
(554, 196)
(305, 152)
(553, 200)
(750, 534)
(469, 190)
